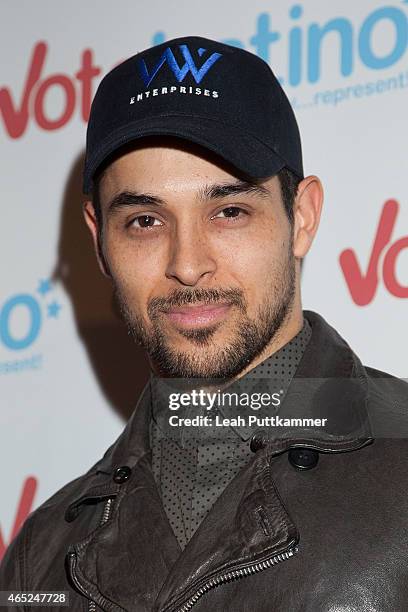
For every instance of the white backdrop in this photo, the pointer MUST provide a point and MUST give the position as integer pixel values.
(69, 376)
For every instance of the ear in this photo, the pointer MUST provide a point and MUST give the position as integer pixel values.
(92, 223)
(307, 209)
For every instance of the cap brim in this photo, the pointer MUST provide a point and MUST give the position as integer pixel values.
(245, 152)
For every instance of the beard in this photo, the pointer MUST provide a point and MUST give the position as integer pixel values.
(209, 360)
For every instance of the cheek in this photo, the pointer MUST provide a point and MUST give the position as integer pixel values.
(251, 261)
(252, 256)
(136, 270)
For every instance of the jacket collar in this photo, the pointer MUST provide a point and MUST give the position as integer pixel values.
(247, 524)
(330, 382)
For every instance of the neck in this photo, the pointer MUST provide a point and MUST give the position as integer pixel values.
(288, 330)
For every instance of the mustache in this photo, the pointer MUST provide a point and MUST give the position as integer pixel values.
(183, 297)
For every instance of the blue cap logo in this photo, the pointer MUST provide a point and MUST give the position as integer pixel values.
(179, 71)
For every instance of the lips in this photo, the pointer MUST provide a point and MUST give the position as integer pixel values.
(197, 315)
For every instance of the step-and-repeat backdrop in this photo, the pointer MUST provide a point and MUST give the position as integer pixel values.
(69, 375)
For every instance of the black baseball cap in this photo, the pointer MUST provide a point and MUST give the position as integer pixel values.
(212, 94)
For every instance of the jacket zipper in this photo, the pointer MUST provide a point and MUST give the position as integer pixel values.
(214, 582)
(72, 559)
(105, 516)
(236, 574)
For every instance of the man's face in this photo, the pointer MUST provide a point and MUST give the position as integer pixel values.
(201, 261)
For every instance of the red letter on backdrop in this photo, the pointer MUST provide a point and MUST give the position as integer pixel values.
(23, 510)
(66, 85)
(362, 287)
(15, 119)
(389, 269)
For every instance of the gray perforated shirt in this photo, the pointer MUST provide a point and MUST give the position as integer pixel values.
(193, 466)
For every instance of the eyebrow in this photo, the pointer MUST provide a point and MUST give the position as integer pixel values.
(231, 189)
(132, 198)
(210, 192)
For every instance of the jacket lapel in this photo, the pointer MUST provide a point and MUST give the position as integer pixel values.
(123, 564)
(248, 526)
(129, 558)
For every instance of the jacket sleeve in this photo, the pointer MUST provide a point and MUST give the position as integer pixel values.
(13, 564)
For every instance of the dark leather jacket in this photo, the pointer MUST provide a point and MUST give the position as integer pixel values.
(279, 539)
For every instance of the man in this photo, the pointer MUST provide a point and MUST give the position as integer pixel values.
(292, 500)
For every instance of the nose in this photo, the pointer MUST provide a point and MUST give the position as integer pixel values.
(189, 258)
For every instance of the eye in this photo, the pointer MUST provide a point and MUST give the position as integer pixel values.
(144, 221)
(229, 212)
